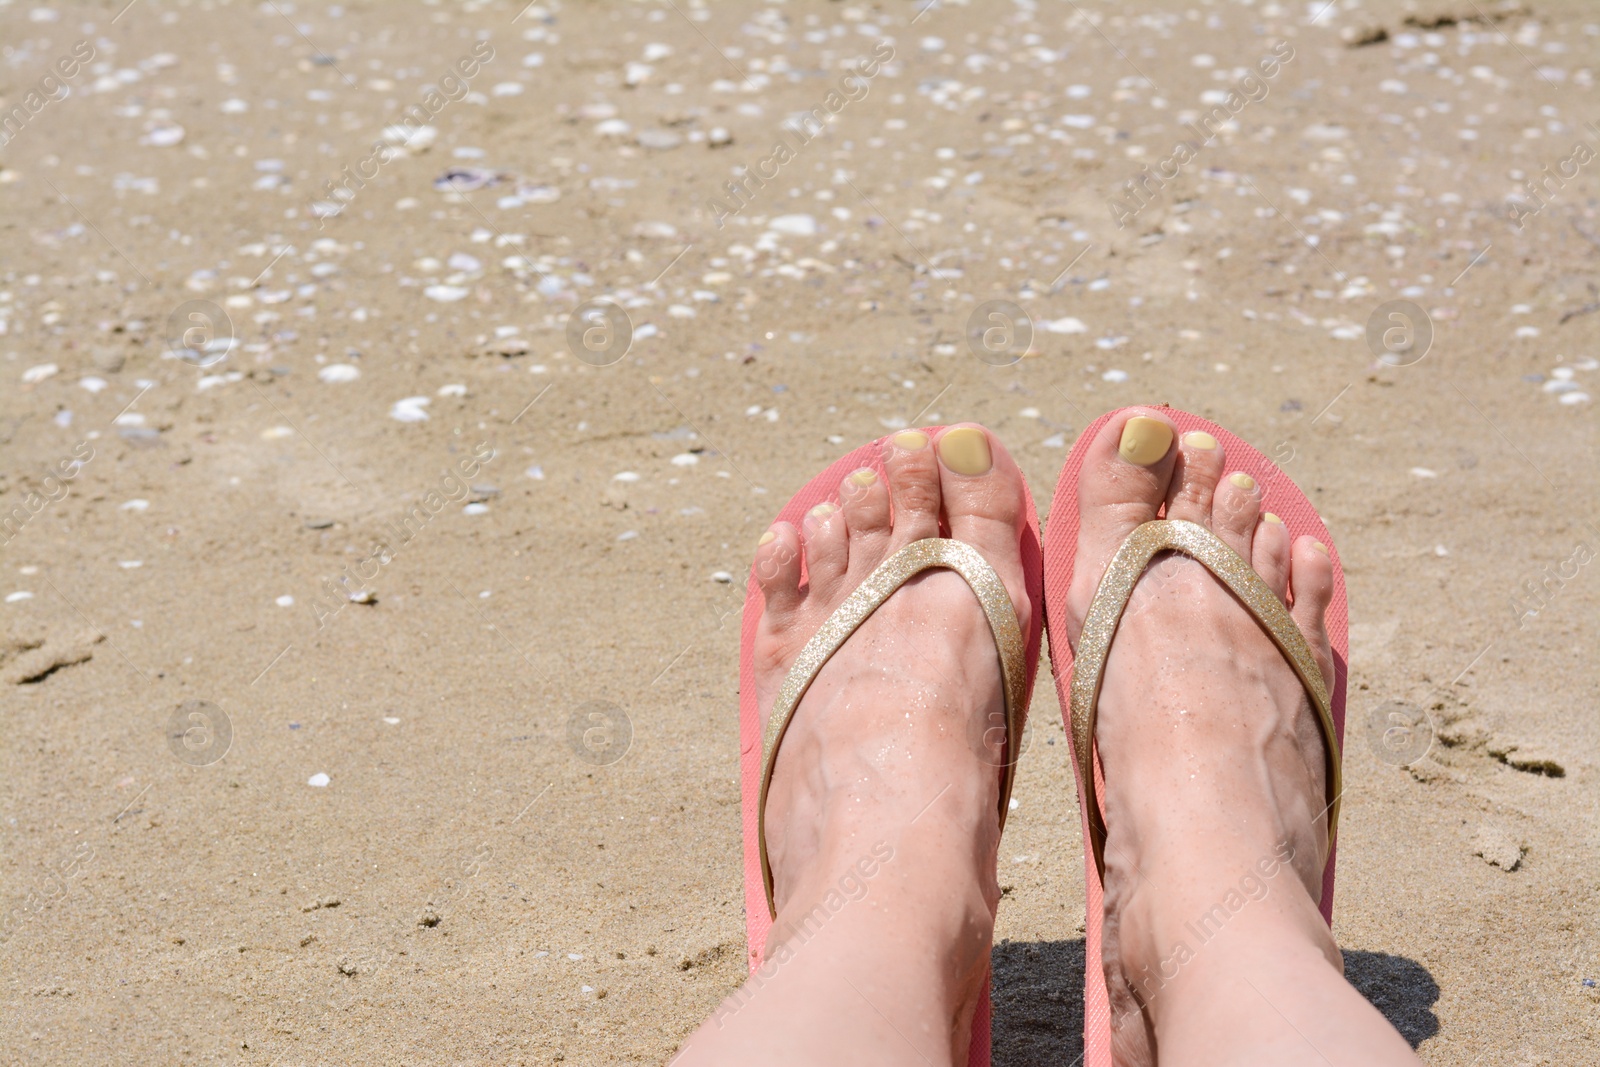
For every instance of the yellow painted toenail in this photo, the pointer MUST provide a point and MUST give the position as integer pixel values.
(1200, 439)
(1144, 440)
(965, 450)
(822, 511)
(1267, 516)
(864, 477)
(1320, 547)
(767, 539)
(910, 440)
(1242, 480)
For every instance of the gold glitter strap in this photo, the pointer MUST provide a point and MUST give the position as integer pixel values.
(880, 585)
(1100, 626)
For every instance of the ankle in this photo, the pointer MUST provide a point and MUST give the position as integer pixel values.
(1214, 915)
(916, 909)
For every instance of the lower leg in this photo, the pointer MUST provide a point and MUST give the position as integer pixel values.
(880, 960)
(1249, 976)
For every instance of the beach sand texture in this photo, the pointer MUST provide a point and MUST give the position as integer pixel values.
(369, 595)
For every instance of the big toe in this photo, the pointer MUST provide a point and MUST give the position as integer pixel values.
(985, 503)
(1122, 484)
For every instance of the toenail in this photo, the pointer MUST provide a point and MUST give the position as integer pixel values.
(767, 539)
(1320, 547)
(864, 477)
(1242, 480)
(1144, 440)
(1267, 516)
(821, 511)
(965, 450)
(1200, 439)
(910, 440)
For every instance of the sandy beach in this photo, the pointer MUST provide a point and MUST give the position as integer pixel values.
(391, 396)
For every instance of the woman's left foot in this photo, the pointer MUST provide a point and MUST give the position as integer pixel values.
(1214, 760)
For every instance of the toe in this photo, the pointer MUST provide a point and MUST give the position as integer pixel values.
(827, 549)
(1234, 508)
(865, 500)
(1311, 581)
(1196, 469)
(913, 486)
(983, 499)
(1269, 554)
(777, 568)
(1123, 483)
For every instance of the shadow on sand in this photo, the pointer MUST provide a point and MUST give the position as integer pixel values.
(1038, 998)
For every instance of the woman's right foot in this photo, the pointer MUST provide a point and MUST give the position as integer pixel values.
(882, 819)
(1215, 768)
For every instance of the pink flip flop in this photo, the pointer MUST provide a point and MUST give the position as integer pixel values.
(1278, 495)
(1019, 672)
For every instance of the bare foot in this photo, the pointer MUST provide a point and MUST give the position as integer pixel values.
(885, 792)
(1215, 766)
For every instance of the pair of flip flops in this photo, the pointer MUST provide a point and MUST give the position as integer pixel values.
(1048, 570)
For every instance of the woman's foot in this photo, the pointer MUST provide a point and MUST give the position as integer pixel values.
(1216, 776)
(882, 819)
